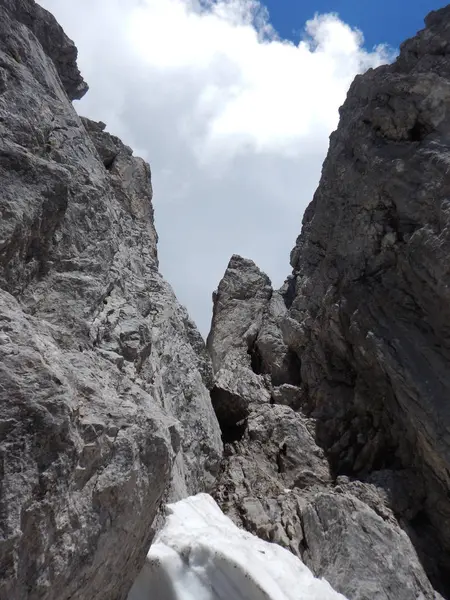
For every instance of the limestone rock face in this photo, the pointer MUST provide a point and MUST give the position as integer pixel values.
(276, 480)
(356, 348)
(104, 380)
(55, 43)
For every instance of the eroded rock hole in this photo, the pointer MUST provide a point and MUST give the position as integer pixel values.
(256, 360)
(289, 293)
(418, 132)
(291, 373)
(231, 412)
(280, 462)
(109, 162)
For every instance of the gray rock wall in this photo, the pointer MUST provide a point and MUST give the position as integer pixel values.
(104, 401)
(277, 481)
(352, 472)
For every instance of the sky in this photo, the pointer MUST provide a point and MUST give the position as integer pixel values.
(232, 102)
(381, 21)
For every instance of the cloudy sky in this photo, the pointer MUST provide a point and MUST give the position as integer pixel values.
(233, 118)
(386, 21)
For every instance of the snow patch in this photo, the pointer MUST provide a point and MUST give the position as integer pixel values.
(200, 554)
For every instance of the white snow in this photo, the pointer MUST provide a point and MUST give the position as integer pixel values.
(200, 554)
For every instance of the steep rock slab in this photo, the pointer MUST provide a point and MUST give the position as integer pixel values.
(82, 453)
(104, 379)
(239, 305)
(372, 305)
(275, 479)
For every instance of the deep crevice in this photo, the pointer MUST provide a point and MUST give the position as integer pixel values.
(255, 360)
(234, 433)
(289, 293)
(418, 132)
(231, 412)
(109, 163)
(280, 463)
(293, 373)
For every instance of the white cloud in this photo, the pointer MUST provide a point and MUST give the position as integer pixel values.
(233, 120)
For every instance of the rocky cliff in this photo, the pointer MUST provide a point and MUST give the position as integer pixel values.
(104, 380)
(333, 392)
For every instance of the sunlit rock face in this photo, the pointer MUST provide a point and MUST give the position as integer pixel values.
(200, 554)
(104, 401)
(332, 392)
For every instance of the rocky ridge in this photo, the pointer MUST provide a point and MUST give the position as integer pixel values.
(104, 380)
(332, 393)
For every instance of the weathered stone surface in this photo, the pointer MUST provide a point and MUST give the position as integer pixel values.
(275, 357)
(239, 304)
(362, 342)
(54, 42)
(289, 395)
(372, 283)
(105, 408)
(336, 533)
(82, 451)
(276, 480)
(365, 316)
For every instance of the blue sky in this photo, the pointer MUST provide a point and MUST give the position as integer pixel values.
(381, 21)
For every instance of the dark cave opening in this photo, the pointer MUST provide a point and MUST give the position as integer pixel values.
(231, 412)
(109, 162)
(256, 360)
(289, 292)
(435, 560)
(289, 372)
(418, 132)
